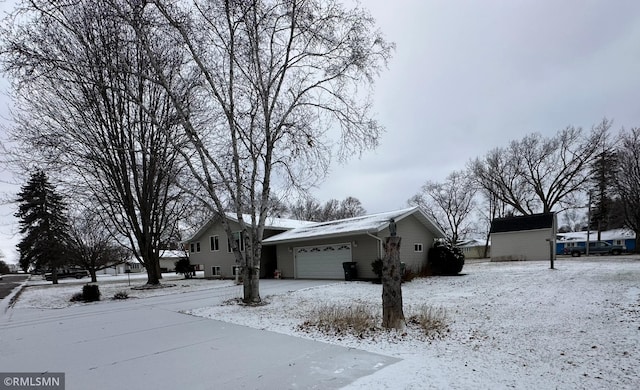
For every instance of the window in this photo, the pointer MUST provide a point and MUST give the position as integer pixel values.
(214, 243)
(194, 247)
(215, 270)
(239, 240)
(417, 247)
(235, 270)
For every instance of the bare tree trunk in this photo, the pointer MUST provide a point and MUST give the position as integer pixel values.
(392, 314)
(94, 278)
(251, 284)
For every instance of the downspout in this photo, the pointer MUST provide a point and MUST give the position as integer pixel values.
(379, 246)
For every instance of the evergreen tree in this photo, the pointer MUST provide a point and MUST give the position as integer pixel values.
(603, 172)
(43, 224)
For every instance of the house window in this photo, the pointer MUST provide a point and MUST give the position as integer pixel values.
(618, 242)
(238, 238)
(417, 247)
(214, 242)
(195, 247)
(215, 270)
(236, 270)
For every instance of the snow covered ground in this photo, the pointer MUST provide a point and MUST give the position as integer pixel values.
(41, 294)
(511, 325)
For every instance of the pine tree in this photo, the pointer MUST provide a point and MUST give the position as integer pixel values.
(43, 224)
(603, 171)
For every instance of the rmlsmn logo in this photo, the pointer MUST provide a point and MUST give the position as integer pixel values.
(29, 380)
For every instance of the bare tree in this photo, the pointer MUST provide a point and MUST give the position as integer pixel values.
(536, 174)
(310, 209)
(89, 109)
(628, 177)
(279, 81)
(450, 204)
(92, 247)
(351, 207)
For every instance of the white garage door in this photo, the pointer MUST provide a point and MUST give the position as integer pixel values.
(322, 261)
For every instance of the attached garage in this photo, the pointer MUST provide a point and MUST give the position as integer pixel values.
(321, 261)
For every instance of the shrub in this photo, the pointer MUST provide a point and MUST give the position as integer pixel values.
(431, 320)
(121, 295)
(445, 259)
(356, 319)
(184, 267)
(90, 293)
(376, 267)
(77, 297)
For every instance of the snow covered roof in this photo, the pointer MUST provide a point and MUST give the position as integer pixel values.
(351, 226)
(168, 254)
(271, 223)
(613, 234)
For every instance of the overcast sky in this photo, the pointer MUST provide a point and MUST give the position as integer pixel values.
(469, 76)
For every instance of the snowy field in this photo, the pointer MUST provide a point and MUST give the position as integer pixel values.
(510, 325)
(41, 294)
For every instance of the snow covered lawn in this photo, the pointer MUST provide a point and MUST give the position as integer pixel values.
(511, 325)
(45, 295)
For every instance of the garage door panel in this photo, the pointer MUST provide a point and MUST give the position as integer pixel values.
(322, 261)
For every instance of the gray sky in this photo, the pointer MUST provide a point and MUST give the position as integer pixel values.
(469, 76)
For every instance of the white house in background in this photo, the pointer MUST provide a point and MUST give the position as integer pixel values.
(529, 237)
(168, 259)
(119, 269)
(317, 251)
(210, 247)
(475, 248)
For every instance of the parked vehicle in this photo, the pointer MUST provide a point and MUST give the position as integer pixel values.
(67, 273)
(595, 248)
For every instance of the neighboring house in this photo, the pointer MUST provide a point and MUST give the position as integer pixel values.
(625, 237)
(168, 259)
(210, 247)
(317, 251)
(529, 237)
(133, 266)
(475, 248)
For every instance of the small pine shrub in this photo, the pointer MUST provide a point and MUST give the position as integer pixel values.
(77, 297)
(376, 267)
(445, 259)
(121, 295)
(90, 293)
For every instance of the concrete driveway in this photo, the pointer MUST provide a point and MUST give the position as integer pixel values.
(149, 344)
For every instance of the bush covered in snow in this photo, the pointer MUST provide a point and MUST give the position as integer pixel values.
(445, 259)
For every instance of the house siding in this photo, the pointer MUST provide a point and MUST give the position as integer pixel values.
(521, 245)
(207, 258)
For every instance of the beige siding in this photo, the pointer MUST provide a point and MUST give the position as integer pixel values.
(522, 245)
(413, 232)
(209, 258)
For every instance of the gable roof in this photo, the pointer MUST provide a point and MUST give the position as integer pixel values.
(271, 223)
(352, 226)
(523, 222)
